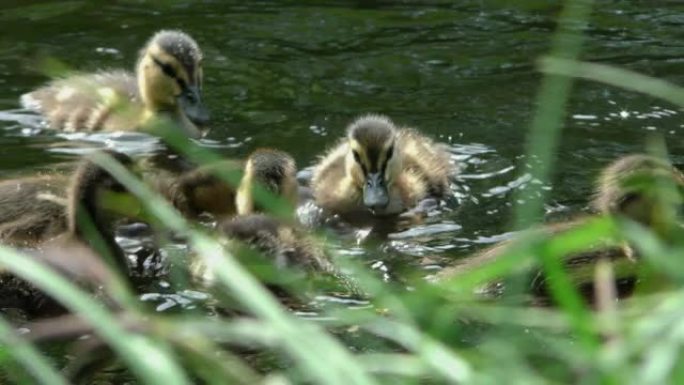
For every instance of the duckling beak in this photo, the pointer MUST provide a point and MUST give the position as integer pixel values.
(375, 193)
(191, 103)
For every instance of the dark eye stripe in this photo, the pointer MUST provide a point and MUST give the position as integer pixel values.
(170, 72)
(357, 158)
(385, 162)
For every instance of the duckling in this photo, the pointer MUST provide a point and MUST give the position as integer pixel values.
(32, 209)
(629, 188)
(273, 170)
(84, 249)
(201, 190)
(278, 240)
(279, 247)
(381, 170)
(633, 187)
(168, 83)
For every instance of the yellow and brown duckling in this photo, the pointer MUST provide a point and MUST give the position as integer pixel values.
(85, 250)
(271, 170)
(642, 188)
(203, 190)
(167, 83)
(281, 244)
(380, 170)
(638, 188)
(32, 209)
(281, 255)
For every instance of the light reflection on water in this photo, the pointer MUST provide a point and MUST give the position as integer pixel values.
(292, 76)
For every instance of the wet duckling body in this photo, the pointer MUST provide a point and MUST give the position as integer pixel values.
(631, 188)
(276, 242)
(280, 254)
(167, 84)
(85, 251)
(202, 190)
(380, 170)
(32, 209)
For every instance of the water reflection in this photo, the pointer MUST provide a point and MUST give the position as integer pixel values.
(291, 76)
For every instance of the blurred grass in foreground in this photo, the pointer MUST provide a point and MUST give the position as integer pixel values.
(432, 334)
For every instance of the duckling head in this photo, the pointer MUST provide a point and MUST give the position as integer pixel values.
(273, 170)
(170, 75)
(372, 161)
(640, 187)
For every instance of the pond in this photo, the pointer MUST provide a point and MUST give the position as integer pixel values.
(291, 76)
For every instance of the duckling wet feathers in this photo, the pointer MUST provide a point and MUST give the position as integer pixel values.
(380, 170)
(167, 83)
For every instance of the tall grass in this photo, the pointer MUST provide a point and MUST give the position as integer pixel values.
(432, 334)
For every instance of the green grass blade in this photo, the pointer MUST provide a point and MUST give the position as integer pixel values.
(151, 361)
(34, 362)
(618, 77)
(542, 144)
(320, 356)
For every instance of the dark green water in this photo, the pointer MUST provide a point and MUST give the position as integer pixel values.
(292, 74)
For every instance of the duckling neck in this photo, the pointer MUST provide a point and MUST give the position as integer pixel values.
(243, 199)
(88, 225)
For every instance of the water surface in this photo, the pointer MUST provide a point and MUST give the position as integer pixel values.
(291, 76)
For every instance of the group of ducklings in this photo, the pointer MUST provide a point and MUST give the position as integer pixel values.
(378, 172)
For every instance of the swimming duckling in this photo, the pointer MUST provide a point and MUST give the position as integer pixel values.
(380, 169)
(273, 170)
(640, 187)
(168, 84)
(634, 187)
(202, 190)
(271, 247)
(84, 249)
(32, 209)
(278, 240)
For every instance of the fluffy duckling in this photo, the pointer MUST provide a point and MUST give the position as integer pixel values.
(271, 247)
(32, 209)
(167, 83)
(638, 187)
(381, 170)
(282, 244)
(273, 170)
(202, 190)
(86, 246)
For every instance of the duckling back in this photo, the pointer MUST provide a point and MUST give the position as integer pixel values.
(197, 190)
(32, 209)
(88, 102)
(428, 160)
(85, 251)
(283, 246)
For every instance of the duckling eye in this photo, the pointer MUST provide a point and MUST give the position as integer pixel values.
(191, 97)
